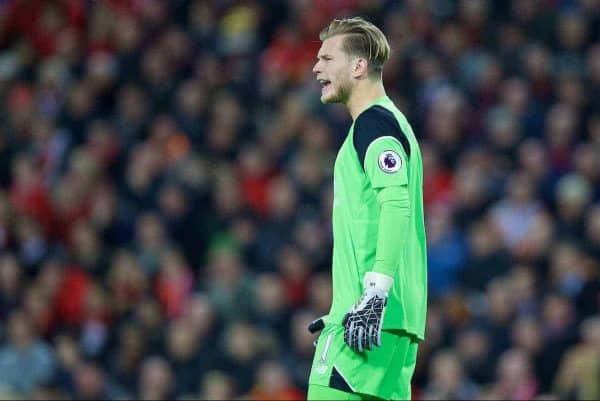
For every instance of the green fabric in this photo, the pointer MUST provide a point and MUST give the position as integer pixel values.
(357, 230)
(394, 218)
(384, 372)
(379, 178)
(316, 392)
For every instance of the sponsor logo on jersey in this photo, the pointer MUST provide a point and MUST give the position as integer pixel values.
(389, 161)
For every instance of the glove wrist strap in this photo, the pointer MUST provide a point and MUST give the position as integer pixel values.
(378, 281)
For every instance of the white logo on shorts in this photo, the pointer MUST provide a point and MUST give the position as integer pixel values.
(322, 369)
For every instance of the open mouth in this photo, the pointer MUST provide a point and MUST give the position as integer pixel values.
(324, 83)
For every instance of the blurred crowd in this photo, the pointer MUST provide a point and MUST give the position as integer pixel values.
(165, 194)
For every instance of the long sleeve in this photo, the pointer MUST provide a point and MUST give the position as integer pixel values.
(394, 220)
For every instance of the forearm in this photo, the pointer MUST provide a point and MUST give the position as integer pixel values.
(394, 223)
(364, 323)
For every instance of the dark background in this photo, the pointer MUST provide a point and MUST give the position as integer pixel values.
(165, 194)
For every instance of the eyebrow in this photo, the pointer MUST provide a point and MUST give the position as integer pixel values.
(326, 55)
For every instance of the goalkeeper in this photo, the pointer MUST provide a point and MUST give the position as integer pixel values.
(367, 347)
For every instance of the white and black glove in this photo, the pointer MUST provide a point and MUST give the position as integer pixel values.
(363, 324)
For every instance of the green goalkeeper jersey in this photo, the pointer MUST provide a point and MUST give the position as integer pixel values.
(379, 151)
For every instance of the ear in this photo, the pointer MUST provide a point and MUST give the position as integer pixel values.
(360, 68)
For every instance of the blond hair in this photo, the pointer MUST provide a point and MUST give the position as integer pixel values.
(362, 39)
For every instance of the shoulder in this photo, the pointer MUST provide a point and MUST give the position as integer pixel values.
(376, 118)
(374, 123)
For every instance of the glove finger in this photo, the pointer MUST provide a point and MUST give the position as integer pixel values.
(346, 335)
(375, 336)
(370, 338)
(378, 335)
(360, 338)
(345, 320)
(355, 338)
(351, 335)
(316, 325)
(355, 341)
(366, 341)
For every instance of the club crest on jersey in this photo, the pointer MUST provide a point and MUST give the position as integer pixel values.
(390, 161)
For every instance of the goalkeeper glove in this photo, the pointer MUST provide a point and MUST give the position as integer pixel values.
(362, 325)
(316, 326)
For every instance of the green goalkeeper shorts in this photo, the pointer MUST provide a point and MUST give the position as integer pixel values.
(384, 372)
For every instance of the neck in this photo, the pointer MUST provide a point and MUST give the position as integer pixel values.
(365, 93)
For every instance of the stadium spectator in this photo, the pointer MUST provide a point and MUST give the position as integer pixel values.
(165, 194)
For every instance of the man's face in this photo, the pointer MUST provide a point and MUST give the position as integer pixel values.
(333, 71)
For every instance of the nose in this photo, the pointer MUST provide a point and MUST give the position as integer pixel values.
(317, 68)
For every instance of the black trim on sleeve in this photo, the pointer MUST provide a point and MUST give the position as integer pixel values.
(375, 122)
